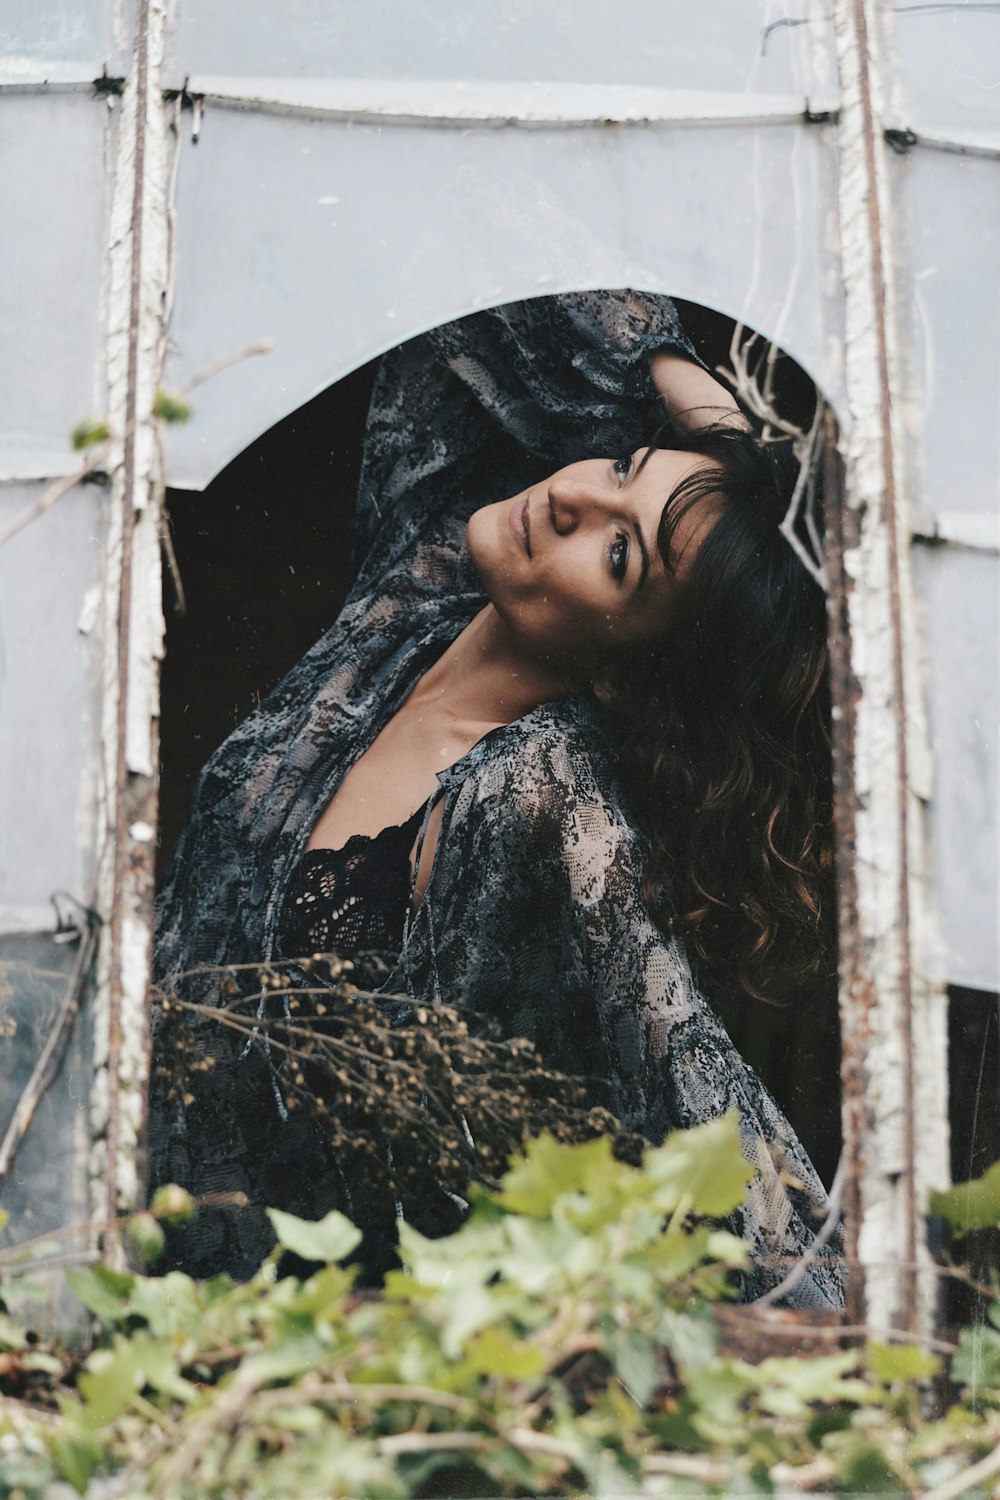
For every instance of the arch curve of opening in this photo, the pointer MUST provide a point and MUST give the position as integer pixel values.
(266, 401)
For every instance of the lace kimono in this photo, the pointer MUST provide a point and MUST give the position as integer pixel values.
(533, 913)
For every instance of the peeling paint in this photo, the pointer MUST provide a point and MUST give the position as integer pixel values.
(137, 296)
(892, 1016)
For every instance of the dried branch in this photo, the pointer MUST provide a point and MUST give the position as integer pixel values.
(754, 391)
(52, 493)
(405, 1091)
(50, 1060)
(59, 487)
(823, 1236)
(968, 1480)
(261, 346)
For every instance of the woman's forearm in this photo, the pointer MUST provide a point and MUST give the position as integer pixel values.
(693, 398)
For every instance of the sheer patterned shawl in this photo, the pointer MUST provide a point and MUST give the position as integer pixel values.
(533, 914)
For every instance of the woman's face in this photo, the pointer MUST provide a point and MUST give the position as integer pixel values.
(572, 565)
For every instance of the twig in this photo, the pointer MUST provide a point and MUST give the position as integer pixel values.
(60, 487)
(478, 1442)
(969, 1479)
(430, 1442)
(803, 1476)
(757, 399)
(687, 1466)
(275, 964)
(261, 346)
(167, 543)
(24, 1249)
(219, 1414)
(52, 493)
(812, 1251)
(46, 1069)
(346, 1390)
(833, 1332)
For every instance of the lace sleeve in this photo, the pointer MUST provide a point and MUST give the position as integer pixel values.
(471, 412)
(669, 1060)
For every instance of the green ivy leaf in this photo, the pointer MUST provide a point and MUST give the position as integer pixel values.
(328, 1239)
(12, 1335)
(107, 1385)
(977, 1363)
(76, 1453)
(692, 1337)
(890, 1363)
(169, 1304)
(865, 1470)
(323, 1294)
(550, 1170)
(705, 1164)
(155, 1364)
(104, 1291)
(294, 1356)
(494, 1352)
(971, 1205)
(717, 1391)
(789, 1387)
(633, 1357)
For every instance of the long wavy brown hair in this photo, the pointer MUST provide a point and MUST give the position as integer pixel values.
(725, 734)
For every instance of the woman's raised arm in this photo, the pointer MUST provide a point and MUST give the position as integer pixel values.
(693, 398)
(473, 411)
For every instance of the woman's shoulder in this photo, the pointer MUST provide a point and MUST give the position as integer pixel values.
(554, 765)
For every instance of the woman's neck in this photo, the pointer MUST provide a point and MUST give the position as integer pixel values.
(483, 678)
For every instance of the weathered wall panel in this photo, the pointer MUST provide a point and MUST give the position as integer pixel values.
(637, 42)
(46, 1186)
(347, 239)
(52, 187)
(960, 591)
(48, 715)
(62, 40)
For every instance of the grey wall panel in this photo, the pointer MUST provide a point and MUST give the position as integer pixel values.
(47, 1186)
(48, 704)
(960, 591)
(52, 188)
(661, 43)
(949, 208)
(948, 58)
(340, 240)
(60, 39)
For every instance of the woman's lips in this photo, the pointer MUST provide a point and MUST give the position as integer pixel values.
(520, 525)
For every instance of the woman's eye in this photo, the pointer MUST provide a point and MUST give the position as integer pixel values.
(623, 466)
(618, 555)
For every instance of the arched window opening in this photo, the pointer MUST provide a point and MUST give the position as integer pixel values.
(263, 558)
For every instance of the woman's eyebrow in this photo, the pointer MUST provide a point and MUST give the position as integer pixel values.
(643, 554)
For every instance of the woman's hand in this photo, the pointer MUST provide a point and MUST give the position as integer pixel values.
(692, 397)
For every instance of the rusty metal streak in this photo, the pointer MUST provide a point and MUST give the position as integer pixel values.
(841, 524)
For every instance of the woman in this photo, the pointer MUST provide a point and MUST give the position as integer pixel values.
(500, 693)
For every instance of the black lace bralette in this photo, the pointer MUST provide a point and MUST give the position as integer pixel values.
(350, 900)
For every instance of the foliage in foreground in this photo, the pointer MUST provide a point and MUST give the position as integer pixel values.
(562, 1343)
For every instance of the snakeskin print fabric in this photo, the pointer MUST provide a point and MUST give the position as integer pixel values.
(533, 914)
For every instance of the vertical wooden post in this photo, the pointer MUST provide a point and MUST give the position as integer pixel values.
(892, 1016)
(137, 307)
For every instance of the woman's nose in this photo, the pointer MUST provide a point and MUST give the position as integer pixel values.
(572, 502)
